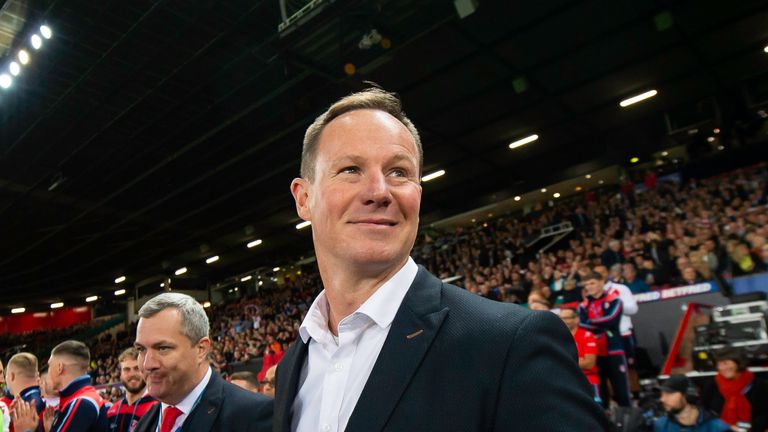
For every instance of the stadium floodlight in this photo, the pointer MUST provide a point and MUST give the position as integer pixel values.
(588, 176)
(18, 310)
(524, 141)
(432, 176)
(212, 259)
(254, 243)
(246, 278)
(120, 279)
(635, 99)
(91, 299)
(634, 159)
(543, 190)
(765, 49)
(207, 304)
(5, 81)
(36, 41)
(517, 198)
(556, 194)
(180, 271)
(303, 225)
(119, 292)
(23, 56)
(46, 31)
(14, 68)
(276, 269)
(57, 305)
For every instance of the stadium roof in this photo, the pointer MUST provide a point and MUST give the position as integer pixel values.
(144, 137)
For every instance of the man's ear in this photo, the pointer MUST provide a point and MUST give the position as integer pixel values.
(300, 192)
(203, 348)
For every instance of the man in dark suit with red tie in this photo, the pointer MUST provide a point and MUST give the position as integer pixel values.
(173, 345)
(386, 346)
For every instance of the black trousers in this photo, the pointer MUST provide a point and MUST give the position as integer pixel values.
(613, 368)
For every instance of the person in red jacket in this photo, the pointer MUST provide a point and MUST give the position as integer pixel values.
(81, 408)
(586, 347)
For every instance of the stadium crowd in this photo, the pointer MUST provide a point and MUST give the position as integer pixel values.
(662, 233)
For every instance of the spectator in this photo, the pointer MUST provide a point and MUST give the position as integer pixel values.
(268, 384)
(612, 255)
(736, 395)
(246, 380)
(636, 286)
(586, 348)
(680, 400)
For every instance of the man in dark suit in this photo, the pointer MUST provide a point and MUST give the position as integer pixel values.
(173, 344)
(387, 346)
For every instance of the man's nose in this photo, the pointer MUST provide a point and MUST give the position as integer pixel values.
(377, 189)
(149, 362)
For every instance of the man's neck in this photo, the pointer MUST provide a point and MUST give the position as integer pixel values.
(133, 397)
(688, 416)
(347, 289)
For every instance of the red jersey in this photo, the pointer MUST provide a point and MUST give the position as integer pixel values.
(585, 345)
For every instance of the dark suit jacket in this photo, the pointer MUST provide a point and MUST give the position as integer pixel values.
(223, 407)
(476, 365)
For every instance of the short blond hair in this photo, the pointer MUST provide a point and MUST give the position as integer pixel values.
(24, 363)
(371, 98)
(129, 353)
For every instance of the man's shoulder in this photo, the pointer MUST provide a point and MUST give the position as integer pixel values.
(467, 310)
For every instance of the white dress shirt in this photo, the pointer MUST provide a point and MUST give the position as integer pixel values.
(187, 404)
(628, 306)
(337, 368)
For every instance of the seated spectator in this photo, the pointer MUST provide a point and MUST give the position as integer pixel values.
(736, 395)
(246, 380)
(680, 399)
(612, 255)
(636, 285)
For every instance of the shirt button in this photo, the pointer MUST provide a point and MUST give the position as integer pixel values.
(338, 366)
(326, 427)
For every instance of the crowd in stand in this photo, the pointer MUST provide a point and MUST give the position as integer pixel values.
(665, 233)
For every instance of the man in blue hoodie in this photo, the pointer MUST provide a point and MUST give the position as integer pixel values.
(680, 399)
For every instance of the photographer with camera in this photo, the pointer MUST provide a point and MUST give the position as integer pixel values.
(680, 399)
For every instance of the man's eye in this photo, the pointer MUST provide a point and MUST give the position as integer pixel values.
(349, 170)
(399, 172)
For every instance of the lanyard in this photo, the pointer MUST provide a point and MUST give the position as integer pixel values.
(133, 413)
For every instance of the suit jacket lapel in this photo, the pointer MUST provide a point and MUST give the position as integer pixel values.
(288, 374)
(415, 326)
(204, 414)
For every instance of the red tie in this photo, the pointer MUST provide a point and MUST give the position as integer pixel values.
(170, 414)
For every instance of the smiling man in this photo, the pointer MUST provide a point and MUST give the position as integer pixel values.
(173, 345)
(123, 416)
(386, 346)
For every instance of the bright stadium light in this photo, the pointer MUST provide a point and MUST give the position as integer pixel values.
(212, 259)
(18, 310)
(91, 299)
(23, 56)
(5, 81)
(524, 141)
(303, 225)
(57, 305)
(556, 194)
(635, 99)
(254, 243)
(765, 49)
(37, 41)
(276, 269)
(207, 304)
(120, 279)
(543, 190)
(119, 292)
(14, 68)
(433, 175)
(46, 31)
(180, 271)
(246, 278)
(588, 176)
(517, 198)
